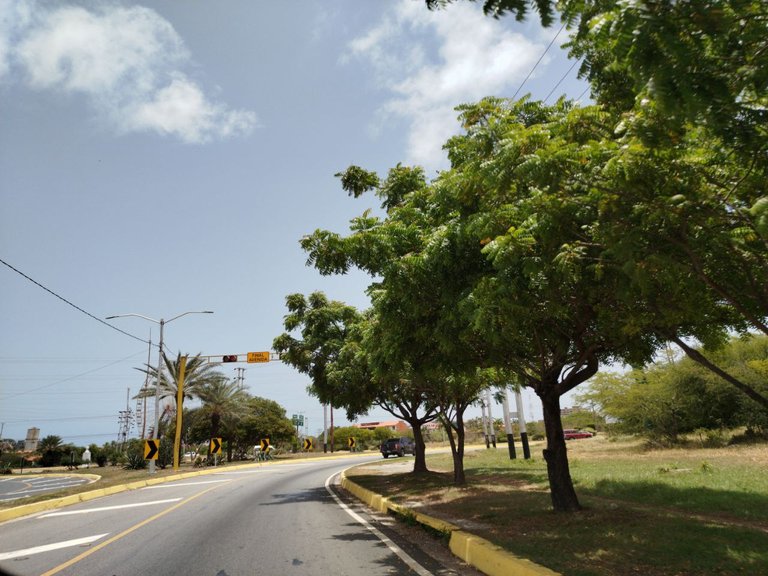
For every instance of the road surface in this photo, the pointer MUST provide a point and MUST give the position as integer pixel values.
(269, 519)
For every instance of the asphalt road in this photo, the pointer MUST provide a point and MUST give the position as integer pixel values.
(268, 519)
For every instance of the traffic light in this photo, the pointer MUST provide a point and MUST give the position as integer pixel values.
(230, 358)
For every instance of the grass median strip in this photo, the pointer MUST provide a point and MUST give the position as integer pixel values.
(647, 512)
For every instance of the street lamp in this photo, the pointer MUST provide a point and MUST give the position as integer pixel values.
(162, 323)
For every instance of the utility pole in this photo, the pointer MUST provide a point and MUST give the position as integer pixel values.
(490, 418)
(521, 422)
(240, 378)
(125, 419)
(162, 322)
(325, 428)
(508, 426)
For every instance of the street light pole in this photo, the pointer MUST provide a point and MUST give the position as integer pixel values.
(162, 323)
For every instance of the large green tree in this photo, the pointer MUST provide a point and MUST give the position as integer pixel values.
(690, 83)
(323, 325)
(419, 345)
(364, 375)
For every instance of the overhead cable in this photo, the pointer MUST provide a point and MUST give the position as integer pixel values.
(538, 61)
(73, 305)
(560, 81)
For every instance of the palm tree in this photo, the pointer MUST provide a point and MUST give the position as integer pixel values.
(50, 443)
(50, 448)
(223, 400)
(197, 373)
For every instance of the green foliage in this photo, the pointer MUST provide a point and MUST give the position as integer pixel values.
(132, 458)
(677, 397)
(197, 373)
(252, 419)
(323, 325)
(364, 439)
(52, 450)
(134, 461)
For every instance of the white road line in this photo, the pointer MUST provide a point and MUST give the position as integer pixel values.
(49, 547)
(160, 486)
(412, 564)
(107, 508)
(46, 489)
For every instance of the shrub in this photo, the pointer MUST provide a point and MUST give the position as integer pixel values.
(134, 461)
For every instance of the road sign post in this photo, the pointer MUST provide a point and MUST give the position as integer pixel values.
(214, 447)
(151, 448)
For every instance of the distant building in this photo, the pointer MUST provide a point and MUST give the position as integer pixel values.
(33, 437)
(394, 425)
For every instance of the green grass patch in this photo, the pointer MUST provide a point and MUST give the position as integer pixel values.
(657, 512)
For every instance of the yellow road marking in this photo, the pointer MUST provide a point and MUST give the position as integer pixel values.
(98, 547)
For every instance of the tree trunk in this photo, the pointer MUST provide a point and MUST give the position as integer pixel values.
(459, 478)
(457, 445)
(698, 357)
(332, 439)
(420, 458)
(556, 456)
(215, 423)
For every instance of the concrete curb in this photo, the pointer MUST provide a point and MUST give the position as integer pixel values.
(475, 551)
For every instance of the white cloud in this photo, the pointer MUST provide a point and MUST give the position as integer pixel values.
(181, 109)
(127, 61)
(432, 61)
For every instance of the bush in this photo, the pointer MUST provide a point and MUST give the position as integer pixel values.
(134, 461)
(712, 438)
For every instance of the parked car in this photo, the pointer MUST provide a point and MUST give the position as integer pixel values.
(572, 434)
(398, 447)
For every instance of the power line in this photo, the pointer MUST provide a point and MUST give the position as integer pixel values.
(5, 396)
(71, 304)
(561, 79)
(70, 418)
(538, 61)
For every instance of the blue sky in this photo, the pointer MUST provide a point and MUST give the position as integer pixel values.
(166, 157)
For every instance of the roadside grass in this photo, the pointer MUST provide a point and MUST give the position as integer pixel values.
(650, 512)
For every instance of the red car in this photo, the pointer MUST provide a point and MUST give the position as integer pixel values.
(575, 434)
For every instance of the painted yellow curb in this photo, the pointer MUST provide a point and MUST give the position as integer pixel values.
(491, 559)
(475, 551)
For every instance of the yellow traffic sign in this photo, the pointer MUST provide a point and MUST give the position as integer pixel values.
(308, 444)
(258, 357)
(351, 442)
(151, 448)
(264, 444)
(215, 446)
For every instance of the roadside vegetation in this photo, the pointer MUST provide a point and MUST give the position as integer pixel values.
(565, 238)
(684, 511)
